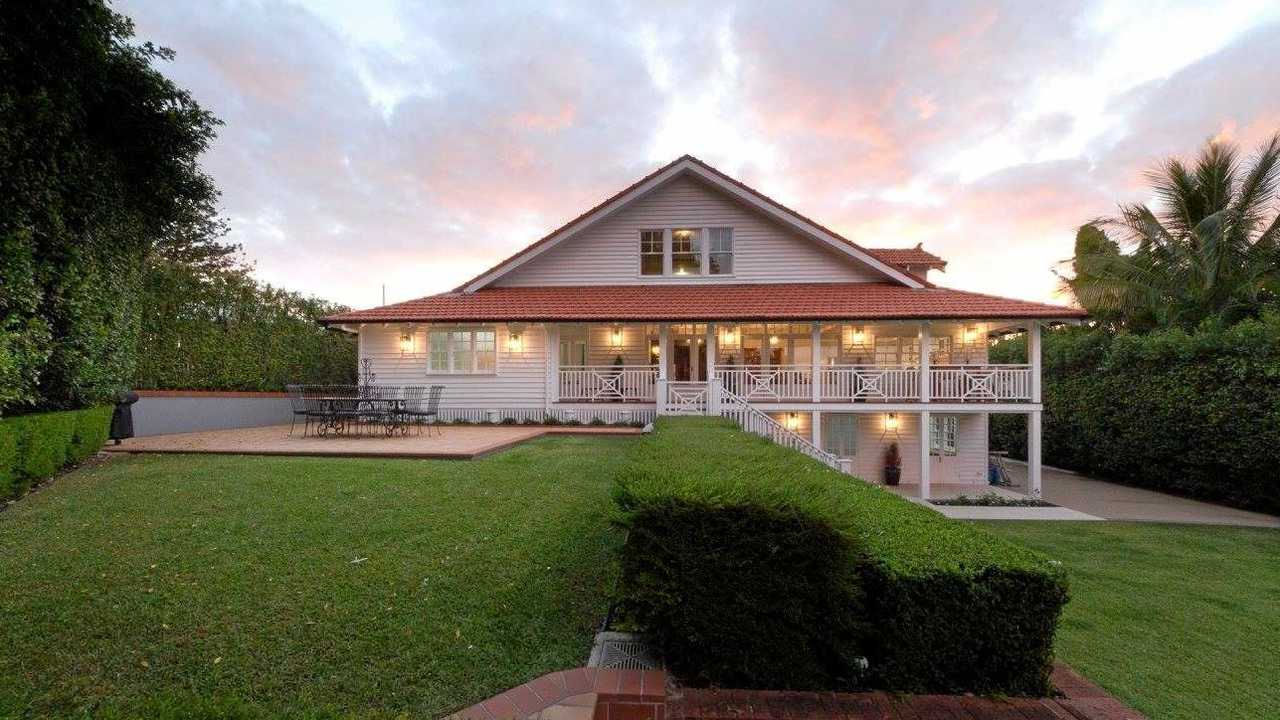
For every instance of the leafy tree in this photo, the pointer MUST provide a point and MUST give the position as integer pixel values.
(1209, 251)
(98, 174)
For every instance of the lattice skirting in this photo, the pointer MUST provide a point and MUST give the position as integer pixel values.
(585, 416)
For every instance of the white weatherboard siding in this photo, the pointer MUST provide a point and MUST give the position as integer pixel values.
(608, 253)
(520, 380)
(968, 465)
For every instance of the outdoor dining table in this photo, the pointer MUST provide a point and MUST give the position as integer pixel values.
(394, 415)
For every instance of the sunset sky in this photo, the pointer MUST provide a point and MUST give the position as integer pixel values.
(414, 144)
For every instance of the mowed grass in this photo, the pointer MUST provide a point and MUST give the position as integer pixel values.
(200, 586)
(1180, 621)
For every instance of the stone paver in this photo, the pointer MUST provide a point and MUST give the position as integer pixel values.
(451, 442)
(1120, 502)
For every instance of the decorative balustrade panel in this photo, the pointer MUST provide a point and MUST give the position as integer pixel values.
(768, 383)
(869, 382)
(686, 398)
(607, 383)
(980, 382)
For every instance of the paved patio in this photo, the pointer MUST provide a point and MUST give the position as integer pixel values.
(456, 442)
(1113, 501)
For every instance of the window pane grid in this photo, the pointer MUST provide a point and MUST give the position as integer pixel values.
(462, 352)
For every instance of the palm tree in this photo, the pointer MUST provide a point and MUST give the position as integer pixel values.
(1211, 249)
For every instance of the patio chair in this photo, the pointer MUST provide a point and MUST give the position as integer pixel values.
(299, 407)
(425, 412)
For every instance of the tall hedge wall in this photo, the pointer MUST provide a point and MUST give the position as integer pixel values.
(1196, 414)
(225, 331)
(33, 447)
(751, 564)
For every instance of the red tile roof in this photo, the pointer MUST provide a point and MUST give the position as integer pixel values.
(908, 256)
(788, 301)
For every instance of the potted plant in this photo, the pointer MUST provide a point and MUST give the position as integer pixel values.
(892, 465)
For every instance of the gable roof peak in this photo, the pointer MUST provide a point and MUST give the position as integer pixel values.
(729, 185)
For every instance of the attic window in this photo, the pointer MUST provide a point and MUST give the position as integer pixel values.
(721, 259)
(651, 252)
(686, 252)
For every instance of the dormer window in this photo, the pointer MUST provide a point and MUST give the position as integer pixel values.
(685, 252)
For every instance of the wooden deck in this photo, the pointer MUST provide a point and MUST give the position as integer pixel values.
(453, 442)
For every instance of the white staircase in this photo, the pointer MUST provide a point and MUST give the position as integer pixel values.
(712, 398)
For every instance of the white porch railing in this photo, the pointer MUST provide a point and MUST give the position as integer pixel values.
(768, 382)
(686, 398)
(607, 383)
(869, 382)
(980, 382)
(754, 420)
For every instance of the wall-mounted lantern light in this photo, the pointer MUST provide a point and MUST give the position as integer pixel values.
(515, 338)
(856, 339)
(654, 350)
(406, 342)
(793, 422)
(970, 335)
(616, 338)
(891, 422)
(730, 338)
(773, 339)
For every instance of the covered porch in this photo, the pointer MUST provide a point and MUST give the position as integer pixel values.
(818, 362)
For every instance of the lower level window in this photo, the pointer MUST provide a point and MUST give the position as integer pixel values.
(942, 434)
(462, 351)
(840, 434)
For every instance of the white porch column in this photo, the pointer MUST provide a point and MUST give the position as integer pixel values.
(924, 455)
(552, 354)
(664, 352)
(1033, 453)
(815, 357)
(1033, 357)
(713, 385)
(816, 427)
(926, 342)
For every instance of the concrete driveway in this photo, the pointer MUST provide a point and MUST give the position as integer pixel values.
(1120, 502)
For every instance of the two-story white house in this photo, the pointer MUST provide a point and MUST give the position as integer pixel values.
(689, 292)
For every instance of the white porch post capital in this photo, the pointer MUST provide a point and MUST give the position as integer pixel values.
(924, 455)
(815, 362)
(926, 344)
(1033, 453)
(1033, 357)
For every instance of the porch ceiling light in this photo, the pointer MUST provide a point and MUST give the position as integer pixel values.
(891, 422)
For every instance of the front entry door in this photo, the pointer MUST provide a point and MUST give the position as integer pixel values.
(687, 362)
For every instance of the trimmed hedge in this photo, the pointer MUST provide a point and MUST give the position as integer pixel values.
(1196, 414)
(935, 605)
(34, 447)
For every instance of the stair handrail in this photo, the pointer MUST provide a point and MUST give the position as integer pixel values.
(754, 420)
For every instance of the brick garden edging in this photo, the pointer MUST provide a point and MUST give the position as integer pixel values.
(604, 694)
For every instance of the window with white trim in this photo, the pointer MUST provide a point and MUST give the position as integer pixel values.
(720, 261)
(840, 434)
(462, 351)
(686, 252)
(651, 252)
(942, 434)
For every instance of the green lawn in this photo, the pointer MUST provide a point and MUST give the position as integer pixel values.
(210, 585)
(1180, 621)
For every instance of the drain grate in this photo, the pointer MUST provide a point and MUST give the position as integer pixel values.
(622, 651)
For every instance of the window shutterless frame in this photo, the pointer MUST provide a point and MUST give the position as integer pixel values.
(686, 251)
(462, 351)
